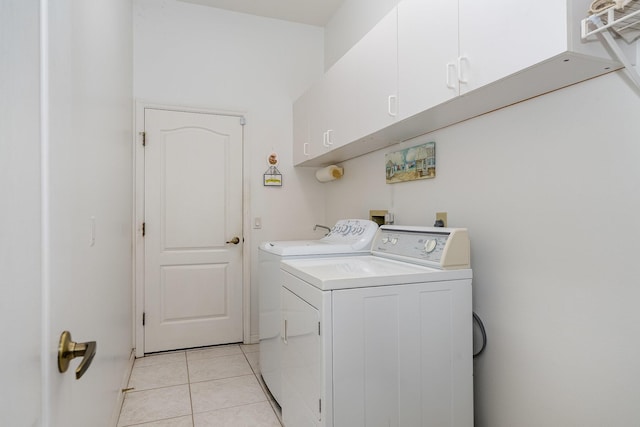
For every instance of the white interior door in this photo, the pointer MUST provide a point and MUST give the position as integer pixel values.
(193, 211)
(85, 209)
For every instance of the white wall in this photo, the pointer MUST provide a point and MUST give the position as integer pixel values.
(192, 55)
(549, 191)
(20, 213)
(88, 171)
(350, 23)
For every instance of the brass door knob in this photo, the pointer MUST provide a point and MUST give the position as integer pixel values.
(235, 240)
(68, 350)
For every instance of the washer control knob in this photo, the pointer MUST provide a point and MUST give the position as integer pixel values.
(394, 240)
(385, 240)
(430, 245)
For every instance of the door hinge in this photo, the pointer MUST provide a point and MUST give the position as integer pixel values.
(318, 328)
(243, 121)
(144, 138)
(144, 228)
(319, 406)
(144, 315)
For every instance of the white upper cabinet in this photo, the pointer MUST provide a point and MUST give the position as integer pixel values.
(310, 113)
(356, 97)
(431, 63)
(427, 54)
(301, 130)
(447, 48)
(499, 37)
(362, 86)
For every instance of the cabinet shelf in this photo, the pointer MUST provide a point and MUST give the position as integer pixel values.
(623, 21)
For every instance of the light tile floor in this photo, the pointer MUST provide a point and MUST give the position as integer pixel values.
(206, 387)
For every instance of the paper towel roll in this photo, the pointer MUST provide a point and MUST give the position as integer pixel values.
(329, 173)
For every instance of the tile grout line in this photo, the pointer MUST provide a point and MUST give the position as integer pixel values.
(159, 365)
(262, 387)
(186, 360)
(254, 371)
(193, 421)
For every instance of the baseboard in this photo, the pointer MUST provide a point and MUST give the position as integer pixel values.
(125, 381)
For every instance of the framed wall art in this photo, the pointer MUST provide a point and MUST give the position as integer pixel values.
(410, 164)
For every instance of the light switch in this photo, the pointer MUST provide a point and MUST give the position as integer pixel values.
(257, 222)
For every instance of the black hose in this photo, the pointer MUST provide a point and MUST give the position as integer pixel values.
(484, 335)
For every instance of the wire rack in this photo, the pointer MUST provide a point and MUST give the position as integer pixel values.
(624, 21)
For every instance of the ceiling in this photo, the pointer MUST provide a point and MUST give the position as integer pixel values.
(312, 12)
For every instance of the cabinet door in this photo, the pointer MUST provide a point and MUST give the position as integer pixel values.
(362, 86)
(427, 54)
(301, 356)
(318, 108)
(309, 124)
(499, 38)
(301, 130)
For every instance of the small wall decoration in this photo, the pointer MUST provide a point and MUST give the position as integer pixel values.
(272, 177)
(413, 163)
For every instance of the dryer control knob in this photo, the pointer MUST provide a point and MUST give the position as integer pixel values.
(430, 245)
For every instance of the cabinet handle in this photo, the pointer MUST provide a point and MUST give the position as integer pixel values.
(461, 77)
(305, 148)
(284, 336)
(392, 101)
(451, 66)
(329, 139)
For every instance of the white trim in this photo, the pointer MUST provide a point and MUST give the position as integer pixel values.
(134, 241)
(123, 385)
(246, 254)
(138, 218)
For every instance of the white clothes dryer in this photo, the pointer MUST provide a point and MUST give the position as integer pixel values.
(384, 339)
(346, 237)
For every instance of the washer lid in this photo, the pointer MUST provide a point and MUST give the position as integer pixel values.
(347, 236)
(310, 247)
(365, 271)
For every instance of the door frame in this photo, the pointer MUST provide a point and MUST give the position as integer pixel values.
(138, 219)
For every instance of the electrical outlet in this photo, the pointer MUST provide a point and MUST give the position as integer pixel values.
(442, 216)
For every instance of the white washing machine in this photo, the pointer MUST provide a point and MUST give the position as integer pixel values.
(380, 340)
(346, 237)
